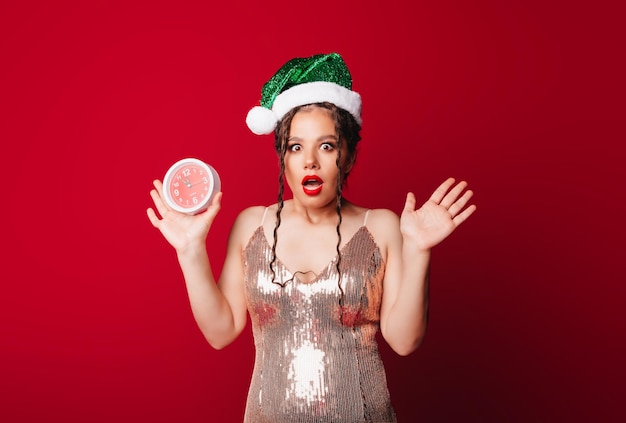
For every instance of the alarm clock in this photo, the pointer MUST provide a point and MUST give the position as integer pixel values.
(189, 186)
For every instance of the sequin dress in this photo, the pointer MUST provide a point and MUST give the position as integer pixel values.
(316, 361)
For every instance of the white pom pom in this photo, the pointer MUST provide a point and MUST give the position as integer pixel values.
(261, 120)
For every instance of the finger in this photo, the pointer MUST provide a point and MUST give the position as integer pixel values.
(152, 217)
(159, 187)
(217, 200)
(409, 204)
(458, 205)
(440, 192)
(158, 202)
(215, 206)
(462, 217)
(157, 198)
(454, 193)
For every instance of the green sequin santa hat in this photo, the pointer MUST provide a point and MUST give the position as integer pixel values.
(300, 81)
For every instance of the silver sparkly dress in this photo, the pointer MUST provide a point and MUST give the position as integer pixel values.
(316, 361)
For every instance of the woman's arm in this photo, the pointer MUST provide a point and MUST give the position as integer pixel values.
(404, 309)
(219, 309)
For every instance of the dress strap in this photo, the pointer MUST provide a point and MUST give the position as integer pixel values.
(365, 218)
(264, 213)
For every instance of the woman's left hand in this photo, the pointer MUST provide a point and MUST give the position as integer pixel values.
(438, 217)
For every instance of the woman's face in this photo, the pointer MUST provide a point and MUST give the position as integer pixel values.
(311, 157)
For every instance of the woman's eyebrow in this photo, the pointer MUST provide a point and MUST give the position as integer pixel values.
(326, 137)
(320, 138)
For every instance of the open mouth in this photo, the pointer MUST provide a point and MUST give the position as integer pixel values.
(312, 184)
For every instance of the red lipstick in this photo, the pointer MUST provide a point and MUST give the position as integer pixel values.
(312, 184)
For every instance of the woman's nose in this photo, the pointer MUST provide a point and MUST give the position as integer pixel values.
(310, 161)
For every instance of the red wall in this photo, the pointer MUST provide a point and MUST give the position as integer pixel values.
(524, 99)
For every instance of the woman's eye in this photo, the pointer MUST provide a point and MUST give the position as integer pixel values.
(295, 147)
(327, 146)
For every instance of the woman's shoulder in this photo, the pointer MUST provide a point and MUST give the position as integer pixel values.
(374, 219)
(251, 214)
(247, 222)
(384, 226)
(383, 214)
(382, 218)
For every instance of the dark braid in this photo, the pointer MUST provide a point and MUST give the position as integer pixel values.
(281, 203)
(347, 130)
(339, 188)
(339, 197)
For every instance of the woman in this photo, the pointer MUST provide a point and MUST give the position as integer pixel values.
(318, 274)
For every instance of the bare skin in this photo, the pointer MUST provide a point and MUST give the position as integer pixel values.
(307, 239)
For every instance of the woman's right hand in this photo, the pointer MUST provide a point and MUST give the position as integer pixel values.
(179, 229)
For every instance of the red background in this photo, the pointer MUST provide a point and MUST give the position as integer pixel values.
(524, 99)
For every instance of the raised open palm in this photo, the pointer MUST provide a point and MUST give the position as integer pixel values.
(438, 217)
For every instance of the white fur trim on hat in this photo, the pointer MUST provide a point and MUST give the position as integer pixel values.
(263, 121)
(318, 92)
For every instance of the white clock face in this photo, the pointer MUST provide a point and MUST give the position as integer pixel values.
(189, 186)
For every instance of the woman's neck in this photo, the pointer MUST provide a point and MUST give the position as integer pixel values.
(327, 213)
